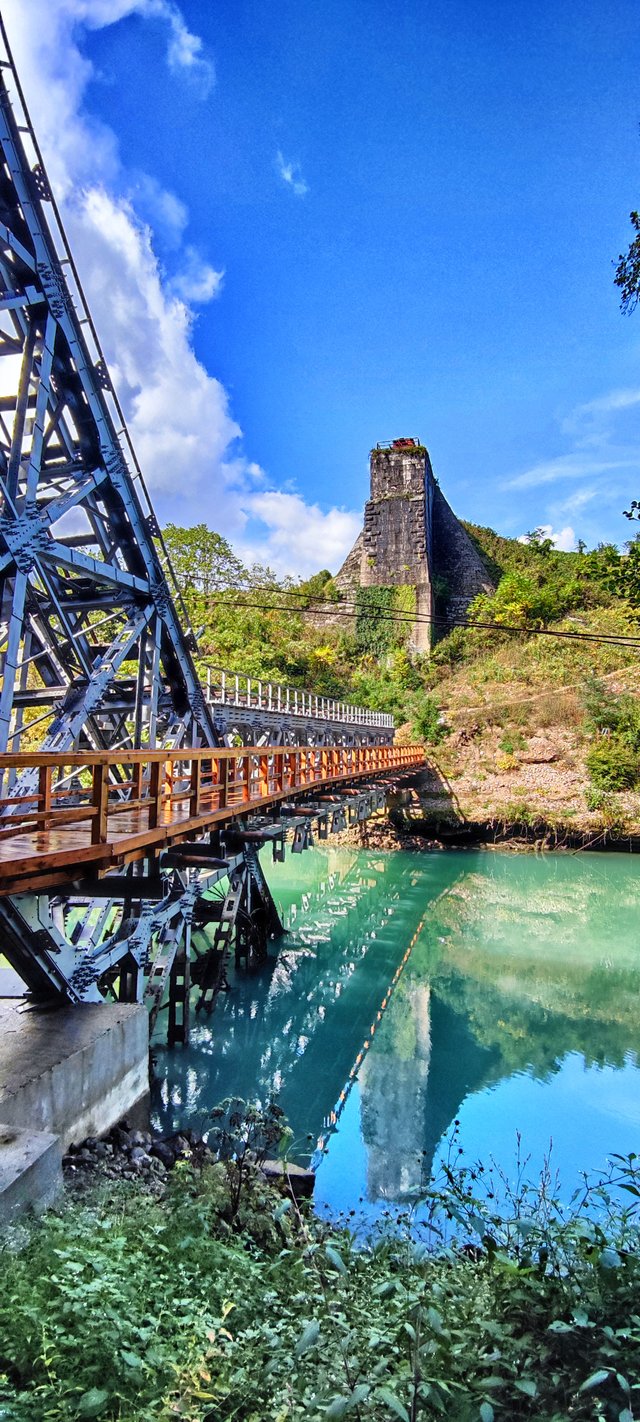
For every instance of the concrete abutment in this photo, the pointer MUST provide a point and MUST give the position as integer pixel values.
(64, 1075)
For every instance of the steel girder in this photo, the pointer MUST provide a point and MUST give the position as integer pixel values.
(93, 652)
(92, 646)
(252, 727)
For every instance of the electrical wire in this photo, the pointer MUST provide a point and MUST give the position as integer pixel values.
(334, 610)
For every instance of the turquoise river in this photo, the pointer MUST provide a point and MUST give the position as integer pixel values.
(413, 991)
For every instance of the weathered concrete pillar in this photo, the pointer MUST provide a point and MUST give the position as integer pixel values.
(412, 538)
(397, 538)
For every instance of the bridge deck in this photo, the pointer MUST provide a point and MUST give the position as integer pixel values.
(95, 812)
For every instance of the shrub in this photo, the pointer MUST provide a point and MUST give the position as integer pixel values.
(608, 808)
(606, 711)
(613, 764)
(512, 742)
(452, 649)
(133, 1309)
(427, 723)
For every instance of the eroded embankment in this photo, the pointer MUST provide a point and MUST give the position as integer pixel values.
(436, 813)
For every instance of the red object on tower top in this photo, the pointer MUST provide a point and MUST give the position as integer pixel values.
(404, 443)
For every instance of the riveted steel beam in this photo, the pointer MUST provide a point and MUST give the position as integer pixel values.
(95, 649)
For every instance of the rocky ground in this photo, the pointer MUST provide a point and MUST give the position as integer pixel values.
(480, 774)
(129, 1154)
(126, 1153)
(516, 742)
(481, 782)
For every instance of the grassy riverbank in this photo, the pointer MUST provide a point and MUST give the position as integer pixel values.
(144, 1308)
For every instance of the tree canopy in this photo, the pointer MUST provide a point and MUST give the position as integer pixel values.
(627, 276)
(202, 560)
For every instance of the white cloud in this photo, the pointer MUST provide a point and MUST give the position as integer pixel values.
(611, 403)
(197, 282)
(291, 174)
(565, 539)
(603, 436)
(576, 465)
(162, 209)
(578, 501)
(178, 414)
(299, 537)
(185, 51)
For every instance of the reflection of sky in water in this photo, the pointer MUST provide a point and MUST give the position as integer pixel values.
(517, 1010)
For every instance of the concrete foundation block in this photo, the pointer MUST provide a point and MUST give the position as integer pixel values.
(72, 1072)
(30, 1171)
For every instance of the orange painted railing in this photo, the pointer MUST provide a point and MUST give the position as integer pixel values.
(174, 787)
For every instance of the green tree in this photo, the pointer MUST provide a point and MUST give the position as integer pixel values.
(537, 538)
(203, 561)
(627, 276)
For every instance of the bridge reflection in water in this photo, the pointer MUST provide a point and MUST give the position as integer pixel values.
(515, 1008)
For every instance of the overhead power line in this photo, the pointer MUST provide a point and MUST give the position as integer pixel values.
(335, 610)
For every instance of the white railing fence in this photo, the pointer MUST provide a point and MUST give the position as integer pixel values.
(224, 688)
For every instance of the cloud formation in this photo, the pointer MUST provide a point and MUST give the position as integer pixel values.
(576, 465)
(187, 441)
(564, 539)
(301, 533)
(609, 404)
(185, 50)
(596, 473)
(291, 174)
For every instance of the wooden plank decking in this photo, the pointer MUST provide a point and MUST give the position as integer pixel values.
(97, 811)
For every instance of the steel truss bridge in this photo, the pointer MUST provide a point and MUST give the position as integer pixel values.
(129, 787)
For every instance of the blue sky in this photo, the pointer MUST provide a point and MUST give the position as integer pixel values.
(305, 228)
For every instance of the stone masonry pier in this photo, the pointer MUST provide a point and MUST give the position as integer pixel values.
(412, 538)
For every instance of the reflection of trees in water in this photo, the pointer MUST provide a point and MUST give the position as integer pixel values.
(527, 963)
(544, 961)
(520, 962)
(534, 1038)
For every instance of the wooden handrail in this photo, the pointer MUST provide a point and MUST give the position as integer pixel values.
(212, 781)
(30, 760)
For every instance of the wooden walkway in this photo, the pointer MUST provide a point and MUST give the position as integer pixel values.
(92, 812)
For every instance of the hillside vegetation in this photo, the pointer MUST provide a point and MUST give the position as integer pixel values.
(525, 728)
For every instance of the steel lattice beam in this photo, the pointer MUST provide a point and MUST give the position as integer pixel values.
(60, 459)
(95, 653)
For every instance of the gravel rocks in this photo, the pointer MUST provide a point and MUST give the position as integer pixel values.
(128, 1154)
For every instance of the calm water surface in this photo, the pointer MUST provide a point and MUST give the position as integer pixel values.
(413, 991)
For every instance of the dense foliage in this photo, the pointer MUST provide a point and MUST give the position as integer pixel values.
(538, 585)
(613, 760)
(249, 621)
(132, 1307)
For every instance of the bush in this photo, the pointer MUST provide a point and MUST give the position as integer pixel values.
(451, 649)
(427, 723)
(511, 742)
(130, 1308)
(606, 711)
(613, 764)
